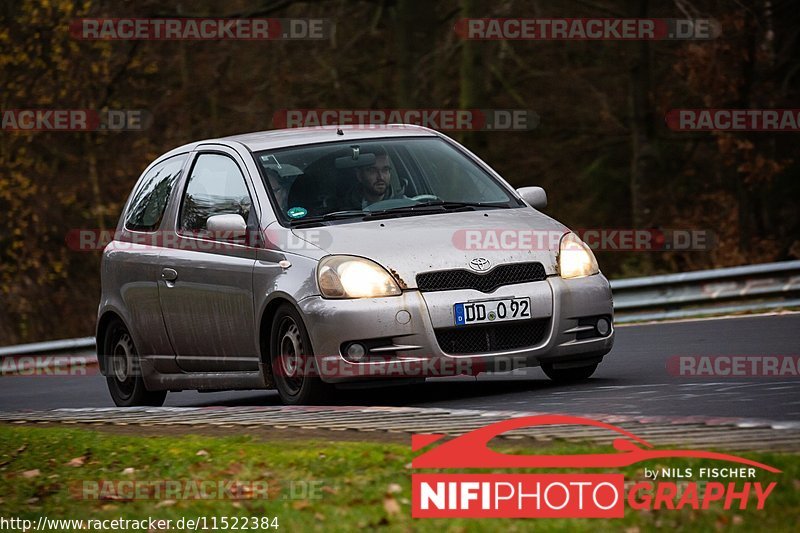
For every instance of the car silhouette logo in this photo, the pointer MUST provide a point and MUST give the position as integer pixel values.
(481, 264)
(470, 450)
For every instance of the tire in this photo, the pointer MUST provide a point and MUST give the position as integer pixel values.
(569, 375)
(122, 370)
(293, 363)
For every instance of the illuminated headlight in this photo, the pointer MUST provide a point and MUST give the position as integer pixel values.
(344, 276)
(575, 258)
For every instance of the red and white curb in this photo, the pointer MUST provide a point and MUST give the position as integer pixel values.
(723, 433)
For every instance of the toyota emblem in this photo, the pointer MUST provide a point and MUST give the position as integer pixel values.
(481, 264)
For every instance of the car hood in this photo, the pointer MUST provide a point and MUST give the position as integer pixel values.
(414, 244)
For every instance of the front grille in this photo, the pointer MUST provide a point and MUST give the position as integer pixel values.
(492, 337)
(449, 280)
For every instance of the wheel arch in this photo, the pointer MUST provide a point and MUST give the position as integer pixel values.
(103, 323)
(265, 329)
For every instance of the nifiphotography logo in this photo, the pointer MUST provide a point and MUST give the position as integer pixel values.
(572, 495)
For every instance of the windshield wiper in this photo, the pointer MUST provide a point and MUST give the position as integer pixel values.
(335, 215)
(465, 204)
(425, 207)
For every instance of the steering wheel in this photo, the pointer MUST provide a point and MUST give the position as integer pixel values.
(425, 197)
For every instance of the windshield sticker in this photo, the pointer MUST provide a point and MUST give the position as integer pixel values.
(270, 159)
(297, 212)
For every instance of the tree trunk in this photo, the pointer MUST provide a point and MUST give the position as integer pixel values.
(404, 17)
(643, 157)
(471, 74)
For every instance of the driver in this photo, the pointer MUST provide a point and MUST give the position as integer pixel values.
(374, 182)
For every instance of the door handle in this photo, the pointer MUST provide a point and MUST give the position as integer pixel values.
(169, 274)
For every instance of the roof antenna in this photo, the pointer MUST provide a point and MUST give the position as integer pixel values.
(339, 131)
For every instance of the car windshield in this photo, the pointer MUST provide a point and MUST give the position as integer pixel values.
(377, 178)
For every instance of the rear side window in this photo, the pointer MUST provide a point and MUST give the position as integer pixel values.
(150, 198)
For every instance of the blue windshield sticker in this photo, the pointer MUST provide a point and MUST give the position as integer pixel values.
(297, 212)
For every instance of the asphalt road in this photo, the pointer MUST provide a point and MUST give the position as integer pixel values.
(633, 380)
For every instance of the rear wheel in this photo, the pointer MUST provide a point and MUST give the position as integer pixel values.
(569, 375)
(123, 373)
(293, 364)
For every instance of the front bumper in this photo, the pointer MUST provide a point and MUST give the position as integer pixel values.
(403, 330)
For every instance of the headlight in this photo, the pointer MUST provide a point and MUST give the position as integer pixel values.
(344, 276)
(575, 258)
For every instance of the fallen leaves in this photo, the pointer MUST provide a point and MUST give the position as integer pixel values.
(233, 469)
(300, 505)
(391, 506)
(202, 453)
(77, 461)
(30, 474)
(14, 455)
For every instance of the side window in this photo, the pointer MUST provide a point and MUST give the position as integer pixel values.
(216, 187)
(151, 196)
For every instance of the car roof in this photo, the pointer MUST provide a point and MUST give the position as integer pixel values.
(271, 139)
(266, 140)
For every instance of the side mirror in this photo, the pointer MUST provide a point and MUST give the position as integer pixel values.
(227, 227)
(535, 196)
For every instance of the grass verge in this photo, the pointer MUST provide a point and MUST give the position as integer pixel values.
(312, 484)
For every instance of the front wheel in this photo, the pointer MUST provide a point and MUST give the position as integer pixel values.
(123, 372)
(293, 364)
(569, 375)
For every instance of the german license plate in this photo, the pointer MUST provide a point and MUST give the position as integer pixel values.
(467, 313)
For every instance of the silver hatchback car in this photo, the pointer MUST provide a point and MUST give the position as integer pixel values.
(310, 259)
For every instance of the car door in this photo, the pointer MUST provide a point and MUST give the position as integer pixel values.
(131, 263)
(206, 284)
